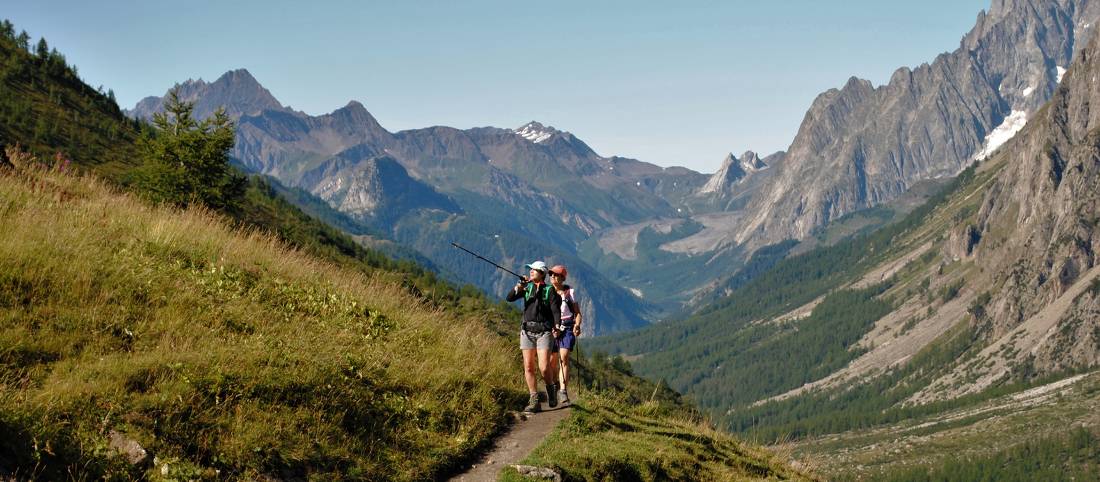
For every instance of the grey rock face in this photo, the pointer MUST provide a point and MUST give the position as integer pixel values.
(732, 186)
(518, 194)
(279, 143)
(374, 190)
(750, 162)
(733, 171)
(727, 175)
(236, 90)
(859, 146)
(1047, 200)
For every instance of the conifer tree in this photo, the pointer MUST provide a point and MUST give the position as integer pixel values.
(187, 160)
(23, 40)
(43, 49)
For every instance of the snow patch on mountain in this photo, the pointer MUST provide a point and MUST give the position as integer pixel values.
(535, 132)
(1002, 133)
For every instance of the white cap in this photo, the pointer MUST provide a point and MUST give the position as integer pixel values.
(538, 266)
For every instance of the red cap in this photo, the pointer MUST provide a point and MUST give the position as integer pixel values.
(559, 269)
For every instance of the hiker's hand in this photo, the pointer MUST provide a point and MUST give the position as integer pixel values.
(576, 330)
(557, 332)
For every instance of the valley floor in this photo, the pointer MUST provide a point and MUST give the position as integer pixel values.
(973, 431)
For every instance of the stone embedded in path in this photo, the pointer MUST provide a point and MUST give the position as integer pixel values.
(538, 472)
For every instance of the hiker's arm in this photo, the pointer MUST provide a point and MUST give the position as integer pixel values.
(577, 318)
(515, 293)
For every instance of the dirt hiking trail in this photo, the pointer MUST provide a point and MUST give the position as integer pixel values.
(514, 445)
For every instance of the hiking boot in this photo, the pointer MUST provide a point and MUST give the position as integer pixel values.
(563, 397)
(532, 404)
(552, 395)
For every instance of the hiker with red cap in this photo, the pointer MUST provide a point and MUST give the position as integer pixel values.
(567, 330)
(541, 313)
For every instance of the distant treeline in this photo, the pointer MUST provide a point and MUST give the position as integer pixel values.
(1075, 456)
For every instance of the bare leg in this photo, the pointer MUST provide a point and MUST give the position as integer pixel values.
(564, 367)
(529, 370)
(544, 365)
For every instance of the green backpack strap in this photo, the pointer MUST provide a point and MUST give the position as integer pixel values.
(545, 292)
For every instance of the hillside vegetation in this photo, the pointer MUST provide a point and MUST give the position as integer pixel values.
(222, 349)
(613, 437)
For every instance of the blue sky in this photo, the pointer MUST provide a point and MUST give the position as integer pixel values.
(673, 83)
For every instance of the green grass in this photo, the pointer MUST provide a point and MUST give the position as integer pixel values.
(612, 437)
(222, 350)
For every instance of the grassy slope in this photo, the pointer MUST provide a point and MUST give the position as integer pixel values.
(611, 437)
(224, 350)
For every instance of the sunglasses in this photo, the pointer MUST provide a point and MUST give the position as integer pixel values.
(557, 275)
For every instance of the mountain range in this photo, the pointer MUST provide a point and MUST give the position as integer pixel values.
(511, 194)
(645, 240)
(974, 318)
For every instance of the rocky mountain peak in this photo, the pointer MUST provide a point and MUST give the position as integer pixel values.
(862, 146)
(354, 115)
(751, 162)
(237, 90)
(731, 172)
(536, 132)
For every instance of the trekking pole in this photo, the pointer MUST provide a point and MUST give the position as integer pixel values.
(478, 256)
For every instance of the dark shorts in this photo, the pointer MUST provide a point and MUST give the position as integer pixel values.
(567, 340)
